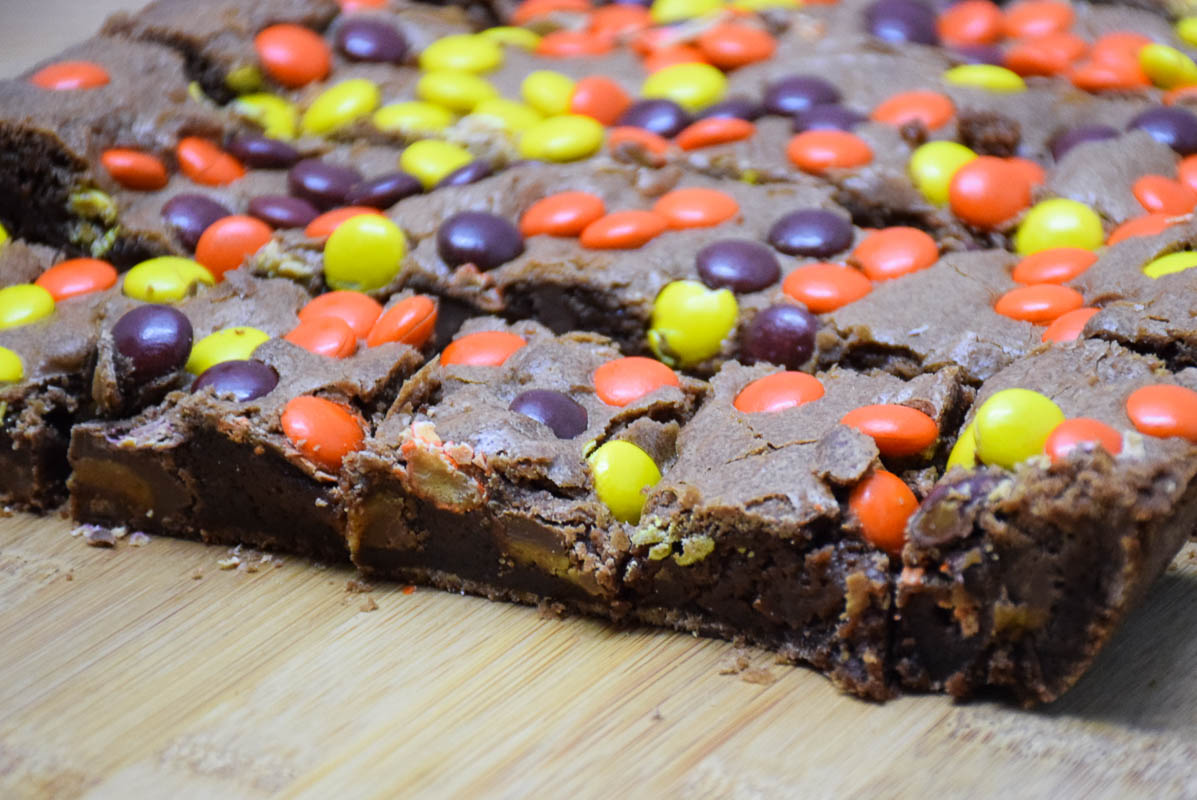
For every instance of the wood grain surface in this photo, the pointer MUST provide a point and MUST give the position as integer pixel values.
(153, 672)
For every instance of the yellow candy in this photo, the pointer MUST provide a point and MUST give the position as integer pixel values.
(342, 104)
(244, 79)
(413, 118)
(431, 160)
(1166, 66)
(1186, 29)
(24, 303)
(692, 86)
(462, 51)
(277, 117)
(516, 37)
(11, 368)
(964, 452)
(1058, 223)
(666, 11)
(547, 91)
(764, 5)
(985, 76)
(690, 322)
(364, 253)
(565, 138)
(165, 279)
(932, 166)
(1013, 425)
(1171, 264)
(457, 91)
(3, 235)
(505, 115)
(230, 344)
(622, 473)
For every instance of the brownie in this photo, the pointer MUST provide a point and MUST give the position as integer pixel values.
(23, 262)
(458, 490)
(1016, 579)
(749, 535)
(163, 470)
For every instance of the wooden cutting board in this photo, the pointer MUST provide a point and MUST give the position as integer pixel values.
(152, 672)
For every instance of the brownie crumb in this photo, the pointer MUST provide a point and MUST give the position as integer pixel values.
(355, 586)
(989, 133)
(138, 539)
(232, 562)
(100, 537)
(759, 676)
(735, 663)
(368, 605)
(197, 574)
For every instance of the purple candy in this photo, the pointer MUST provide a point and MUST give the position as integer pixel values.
(827, 117)
(796, 93)
(282, 211)
(560, 412)
(191, 214)
(244, 380)
(1062, 142)
(662, 117)
(1173, 126)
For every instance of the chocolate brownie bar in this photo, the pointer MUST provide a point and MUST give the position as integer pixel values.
(477, 480)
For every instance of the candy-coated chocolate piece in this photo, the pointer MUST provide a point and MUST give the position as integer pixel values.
(11, 368)
(730, 45)
(793, 94)
(165, 279)
(327, 336)
(66, 76)
(558, 411)
(1170, 125)
(384, 191)
(696, 207)
(463, 176)
(283, 211)
(263, 152)
(1146, 225)
(293, 55)
(780, 334)
(821, 150)
(457, 91)
(881, 504)
(1058, 222)
(893, 252)
(23, 303)
(1167, 67)
(1012, 426)
(153, 340)
(206, 164)
(431, 160)
(1061, 143)
(599, 97)
(134, 169)
(1039, 303)
(964, 451)
(505, 115)
(476, 237)
(322, 184)
(364, 253)
(229, 241)
(690, 322)
(1159, 194)
(662, 117)
(462, 52)
(277, 116)
(322, 430)
(240, 381)
(666, 11)
(777, 392)
(482, 349)
(932, 166)
(692, 86)
(412, 118)
(811, 232)
(823, 287)
(568, 137)
(623, 381)
(741, 265)
(340, 105)
(191, 214)
(3, 234)
(1170, 264)
(1056, 265)
(829, 117)
(329, 221)
(970, 22)
(229, 344)
(902, 21)
(562, 214)
(359, 311)
(988, 191)
(548, 91)
(734, 108)
(1068, 326)
(1164, 410)
(623, 474)
(899, 431)
(411, 321)
(986, 76)
(77, 276)
(371, 40)
(623, 230)
(1083, 434)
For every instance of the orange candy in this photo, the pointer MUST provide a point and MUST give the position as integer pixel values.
(600, 98)
(134, 169)
(361, 5)
(1045, 55)
(1067, 327)
(1031, 18)
(205, 163)
(825, 287)
(411, 321)
(531, 9)
(778, 392)
(562, 214)
(987, 191)
(1160, 195)
(1057, 265)
(882, 504)
(482, 349)
(1084, 433)
(1113, 71)
(971, 22)
(730, 45)
(357, 310)
(68, 75)
(623, 230)
(893, 252)
(1164, 410)
(1185, 95)
(293, 55)
(1118, 46)
(1147, 225)
(572, 44)
(820, 150)
(623, 381)
(714, 130)
(615, 21)
(932, 109)
(664, 57)
(637, 137)
(1186, 170)
(329, 221)
(226, 243)
(77, 276)
(1026, 170)
(696, 208)
(1040, 303)
(325, 336)
(324, 432)
(899, 431)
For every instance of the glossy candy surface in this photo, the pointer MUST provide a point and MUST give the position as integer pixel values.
(153, 339)
(560, 412)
